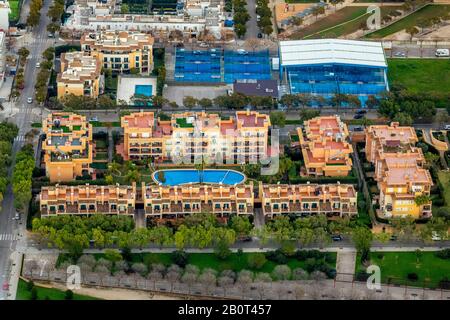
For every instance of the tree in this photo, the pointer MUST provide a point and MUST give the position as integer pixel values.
(281, 272)
(261, 281)
(422, 199)
(362, 238)
(240, 30)
(190, 102)
(403, 119)
(139, 268)
(208, 280)
(299, 274)
(256, 260)
(34, 295)
(225, 282)
(297, 21)
(317, 11)
(278, 118)
(241, 225)
(372, 102)
(180, 257)
(124, 8)
(308, 114)
(173, 275)
(412, 31)
(190, 278)
(205, 103)
(244, 279)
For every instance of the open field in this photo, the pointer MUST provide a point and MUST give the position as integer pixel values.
(397, 265)
(353, 17)
(45, 293)
(420, 75)
(410, 21)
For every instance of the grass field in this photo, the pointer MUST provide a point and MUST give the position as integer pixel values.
(410, 21)
(15, 10)
(45, 293)
(353, 17)
(420, 75)
(444, 178)
(397, 265)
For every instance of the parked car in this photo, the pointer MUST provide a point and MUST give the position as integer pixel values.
(399, 54)
(358, 116)
(442, 53)
(336, 237)
(358, 129)
(204, 45)
(447, 127)
(16, 216)
(51, 35)
(393, 238)
(5, 286)
(30, 100)
(93, 119)
(362, 111)
(259, 35)
(245, 239)
(38, 64)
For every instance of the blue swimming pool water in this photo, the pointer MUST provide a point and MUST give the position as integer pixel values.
(145, 90)
(178, 177)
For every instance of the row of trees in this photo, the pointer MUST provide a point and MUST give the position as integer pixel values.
(8, 132)
(241, 17)
(19, 81)
(55, 13)
(35, 13)
(43, 76)
(22, 174)
(404, 106)
(265, 21)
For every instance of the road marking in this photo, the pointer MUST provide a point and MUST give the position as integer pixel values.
(8, 237)
(19, 138)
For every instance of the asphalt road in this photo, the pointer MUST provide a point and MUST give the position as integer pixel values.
(252, 27)
(11, 230)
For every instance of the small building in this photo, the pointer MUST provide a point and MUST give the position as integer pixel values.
(135, 90)
(80, 75)
(259, 88)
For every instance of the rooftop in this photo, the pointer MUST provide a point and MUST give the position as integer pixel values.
(260, 88)
(337, 51)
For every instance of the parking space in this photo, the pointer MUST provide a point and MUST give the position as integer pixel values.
(176, 93)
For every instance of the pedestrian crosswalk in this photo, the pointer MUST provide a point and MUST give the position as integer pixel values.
(8, 237)
(19, 138)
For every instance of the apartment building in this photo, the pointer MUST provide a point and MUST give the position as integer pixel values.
(191, 18)
(80, 75)
(177, 201)
(308, 199)
(120, 51)
(87, 199)
(67, 146)
(324, 145)
(399, 170)
(190, 136)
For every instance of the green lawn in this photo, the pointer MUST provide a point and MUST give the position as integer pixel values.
(100, 144)
(444, 178)
(42, 293)
(351, 18)
(397, 265)
(428, 11)
(420, 75)
(101, 156)
(15, 10)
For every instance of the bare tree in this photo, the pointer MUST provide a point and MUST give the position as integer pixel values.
(87, 259)
(208, 280)
(244, 279)
(262, 279)
(299, 274)
(31, 265)
(189, 278)
(173, 275)
(139, 268)
(154, 276)
(225, 282)
(121, 265)
(281, 272)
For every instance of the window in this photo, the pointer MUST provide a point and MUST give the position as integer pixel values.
(113, 207)
(187, 206)
(305, 205)
(83, 207)
(241, 207)
(91, 207)
(125, 59)
(137, 58)
(156, 207)
(60, 208)
(217, 206)
(275, 206)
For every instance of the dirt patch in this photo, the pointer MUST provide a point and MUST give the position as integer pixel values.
(113, 294)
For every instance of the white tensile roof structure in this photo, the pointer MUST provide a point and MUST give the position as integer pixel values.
(332, 51)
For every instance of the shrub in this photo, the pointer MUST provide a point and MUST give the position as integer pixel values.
(361, 276)
(256, 260)
(34, 295)
(380, 256)
(30, 285)
(444, 283)
(443, 254)
(180, 258)
(413, 276)
(301, 255)
(68, 295)
(276, 256)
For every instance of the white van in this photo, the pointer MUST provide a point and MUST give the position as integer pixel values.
(442, 53)
(447, 127)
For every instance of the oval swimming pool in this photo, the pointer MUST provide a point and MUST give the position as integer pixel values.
(191, 176)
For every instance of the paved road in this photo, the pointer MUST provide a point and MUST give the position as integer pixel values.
(11, 231)
(252, 26)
